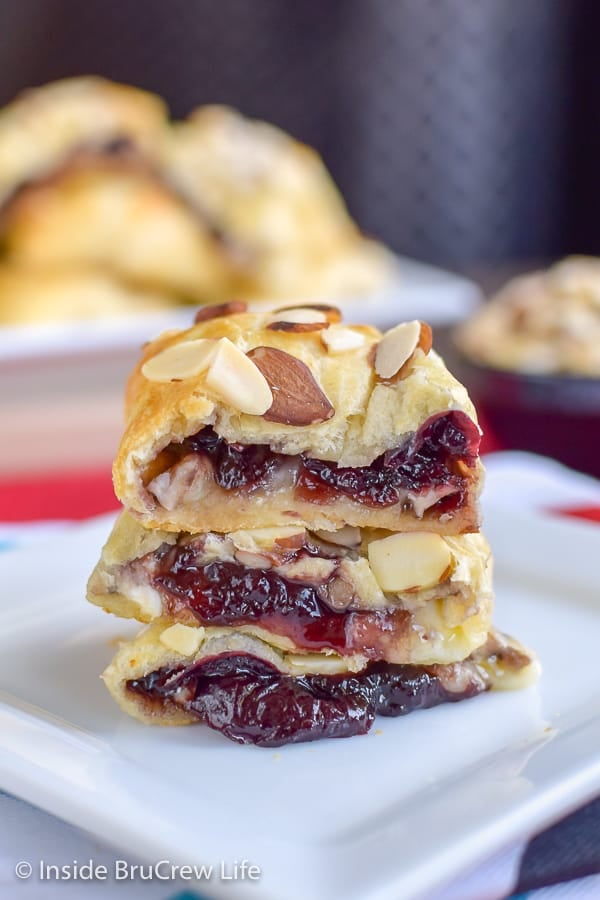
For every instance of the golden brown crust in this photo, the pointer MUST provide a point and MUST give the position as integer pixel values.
(370, 418)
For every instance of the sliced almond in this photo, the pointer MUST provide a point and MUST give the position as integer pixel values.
(297, 398)
(298, 320)
(252, 560)
(237, 380)
(408, 561)
(182, 639)
(339, 340)
(221, 309)
(398, 345)
(331, 313)
(312, 569)
(297, 327)
(300, 314)
(348, 536)
(265, 538)
(179, 361)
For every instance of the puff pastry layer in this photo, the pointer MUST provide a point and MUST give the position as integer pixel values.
(302, 592)
(253, 693)
(165, 476)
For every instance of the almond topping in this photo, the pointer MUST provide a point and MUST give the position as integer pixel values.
(331, 313)
(298, 319)
(182, 639)
(297, 327)
(409, 561)
(222, 309)
(300, 314)
(297, 398)
(235, 378)
(338, 340)
(398, 345)
(183, 360)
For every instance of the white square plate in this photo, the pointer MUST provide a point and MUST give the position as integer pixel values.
(389, 815)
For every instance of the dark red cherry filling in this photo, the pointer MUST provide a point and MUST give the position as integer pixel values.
(251, 702)
(226, 593)
(235, 465)
(429, 459)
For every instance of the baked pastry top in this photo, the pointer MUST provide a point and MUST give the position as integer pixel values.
(296, 383)
(547, 322)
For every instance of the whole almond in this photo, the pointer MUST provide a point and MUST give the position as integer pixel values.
(222, 309)
(297, 398)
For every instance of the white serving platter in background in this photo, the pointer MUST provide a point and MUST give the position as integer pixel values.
(418, 292)
(390, 815)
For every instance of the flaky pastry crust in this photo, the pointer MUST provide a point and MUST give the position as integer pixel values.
(444, 623)
(370, 416)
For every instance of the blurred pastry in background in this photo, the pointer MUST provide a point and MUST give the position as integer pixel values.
(115, 212)
(44, 126)
(94, 178)
(547, 322)
(29, 296)
(273, 199)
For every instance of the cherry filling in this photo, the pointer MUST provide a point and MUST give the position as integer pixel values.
(224, 593)
(235, 466)
(252, 702)
(427, 460)
(437, 457)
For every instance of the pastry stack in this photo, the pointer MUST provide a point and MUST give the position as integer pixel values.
(300, 532)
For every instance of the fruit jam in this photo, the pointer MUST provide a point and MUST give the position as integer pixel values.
(438, 455)
(227, 593)
(252, 702)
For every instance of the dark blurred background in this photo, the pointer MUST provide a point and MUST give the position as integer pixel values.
(462, 132)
